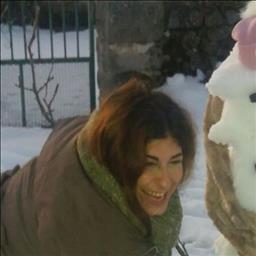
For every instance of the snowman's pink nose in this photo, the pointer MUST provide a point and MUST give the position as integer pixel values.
(245, 34)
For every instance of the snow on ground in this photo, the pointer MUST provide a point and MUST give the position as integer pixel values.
(18, 145)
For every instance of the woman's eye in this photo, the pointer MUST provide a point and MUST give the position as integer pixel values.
(175, 162)
(150, 164)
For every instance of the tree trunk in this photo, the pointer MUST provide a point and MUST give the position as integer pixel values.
(130, 38)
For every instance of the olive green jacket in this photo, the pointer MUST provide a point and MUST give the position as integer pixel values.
(52, 206)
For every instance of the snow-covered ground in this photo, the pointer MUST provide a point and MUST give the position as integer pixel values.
(198, 233)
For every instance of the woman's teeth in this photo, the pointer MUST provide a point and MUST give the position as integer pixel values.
(157, 195)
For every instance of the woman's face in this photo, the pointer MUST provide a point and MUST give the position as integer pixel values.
(161, 176)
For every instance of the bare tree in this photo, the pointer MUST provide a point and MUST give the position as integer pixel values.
(41, 93)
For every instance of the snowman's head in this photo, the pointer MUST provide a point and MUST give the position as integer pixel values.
(244, 33)
(236, 76)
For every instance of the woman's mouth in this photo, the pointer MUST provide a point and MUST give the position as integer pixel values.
(155, 195)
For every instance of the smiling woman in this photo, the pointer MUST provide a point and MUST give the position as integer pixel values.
(162, 174)
(104, 186)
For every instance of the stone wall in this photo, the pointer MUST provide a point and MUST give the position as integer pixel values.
(199, 35)
(161, 38)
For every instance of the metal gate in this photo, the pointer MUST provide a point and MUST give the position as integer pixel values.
(55, 60)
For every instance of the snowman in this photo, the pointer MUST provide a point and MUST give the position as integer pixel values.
(234, 82)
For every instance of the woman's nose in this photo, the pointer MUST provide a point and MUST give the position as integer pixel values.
(163, 178)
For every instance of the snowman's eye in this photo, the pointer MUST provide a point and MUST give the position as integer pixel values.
(253, 97)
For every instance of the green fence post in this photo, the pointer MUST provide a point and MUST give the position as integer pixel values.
(24, 28)
(77, 28)
(10, 28)
(91, 63)
(50, 26)
(37, 33)
(22, 96)
(64, 27)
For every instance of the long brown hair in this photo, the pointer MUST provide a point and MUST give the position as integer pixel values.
(127, 120)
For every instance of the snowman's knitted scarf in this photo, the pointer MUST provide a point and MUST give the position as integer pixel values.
(165, 228)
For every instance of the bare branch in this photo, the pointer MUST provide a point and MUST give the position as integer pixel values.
(45, 105)
(40, 104)
(25, 88)
(49, 109)
(34, 28)
(45, 84)
(54, 94)
(46, 91)
(49, 79)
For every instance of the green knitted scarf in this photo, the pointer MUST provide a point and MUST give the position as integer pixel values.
(165, 228)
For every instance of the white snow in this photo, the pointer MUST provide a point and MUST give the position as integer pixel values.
(18, 145)
(198, 233)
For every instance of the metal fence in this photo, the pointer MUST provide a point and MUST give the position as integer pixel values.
(63, 54)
